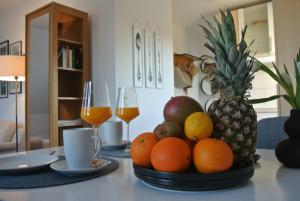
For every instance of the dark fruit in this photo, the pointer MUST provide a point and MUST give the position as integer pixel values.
(179, 108)
(158, 126)
(169, 129)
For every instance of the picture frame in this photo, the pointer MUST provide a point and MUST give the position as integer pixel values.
(3, 89)
(138, 52)
(149, 57)
(4, 48)
(158, 59)
(16, 48)
(12, 87)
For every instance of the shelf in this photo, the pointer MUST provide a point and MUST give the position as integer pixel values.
(70, 69)
(68, 30)
(69, 110)
(69, 98)
(69, 41)
(188, 56)
(266, 110)
(70, 123)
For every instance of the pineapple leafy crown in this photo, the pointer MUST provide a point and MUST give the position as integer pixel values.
(233, 62)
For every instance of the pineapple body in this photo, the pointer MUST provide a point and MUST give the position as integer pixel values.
(233, 116)
(235, 123)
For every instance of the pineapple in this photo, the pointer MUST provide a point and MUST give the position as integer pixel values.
(233, 115)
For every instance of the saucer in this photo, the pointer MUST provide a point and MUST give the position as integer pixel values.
(123, 145)
(62, 167)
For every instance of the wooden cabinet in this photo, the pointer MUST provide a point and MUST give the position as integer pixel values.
(65, 69)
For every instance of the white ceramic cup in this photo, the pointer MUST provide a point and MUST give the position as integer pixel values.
(112, 132)
(80, 147)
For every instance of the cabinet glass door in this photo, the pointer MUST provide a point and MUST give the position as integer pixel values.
(38, 82)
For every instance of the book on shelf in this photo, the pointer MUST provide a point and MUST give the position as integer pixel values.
(62, 57)
(78, 58)
(69, 57)
(65, 63)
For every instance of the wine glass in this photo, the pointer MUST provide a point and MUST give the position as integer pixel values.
(96, 113)
(127, 107)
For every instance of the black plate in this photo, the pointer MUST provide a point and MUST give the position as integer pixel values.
(192, 180)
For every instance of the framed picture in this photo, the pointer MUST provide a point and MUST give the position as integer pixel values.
(3, 89)
(158, 59)
(138, 51)
(16, 48)
(4, 48)
(149, 57)
(12, 87)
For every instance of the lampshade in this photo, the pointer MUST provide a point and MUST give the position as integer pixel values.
(12, 66)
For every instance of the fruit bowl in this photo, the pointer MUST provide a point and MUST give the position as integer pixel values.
(192, 180)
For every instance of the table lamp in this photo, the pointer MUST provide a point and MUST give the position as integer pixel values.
(12, 68)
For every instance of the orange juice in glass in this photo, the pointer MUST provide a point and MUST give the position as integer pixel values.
(127, 113)
(127, 107)
(95, 114)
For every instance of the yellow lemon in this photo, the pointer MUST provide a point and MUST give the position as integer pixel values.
(197, 126)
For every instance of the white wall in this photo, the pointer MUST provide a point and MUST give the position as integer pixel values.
(187, 40)
(191, 41)
(7, 106)
(111, 47)
(12, 33)
(287, 40)
(102, 44)
(101, 14)
(151, 101)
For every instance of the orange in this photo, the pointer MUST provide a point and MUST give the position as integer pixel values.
(197, 126)
(141, 148)
(171, 154)
(212, 155)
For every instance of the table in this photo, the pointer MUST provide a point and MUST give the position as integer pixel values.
(271, 182)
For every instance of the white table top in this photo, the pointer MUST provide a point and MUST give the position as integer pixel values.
(271, 182)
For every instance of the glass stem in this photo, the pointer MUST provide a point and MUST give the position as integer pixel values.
(98, 138)
(128, 142)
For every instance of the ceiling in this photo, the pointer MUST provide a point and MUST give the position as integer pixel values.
(188, 12)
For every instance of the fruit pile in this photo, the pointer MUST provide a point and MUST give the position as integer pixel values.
(181, 141)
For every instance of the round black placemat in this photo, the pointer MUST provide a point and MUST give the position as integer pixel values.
(48, 177)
